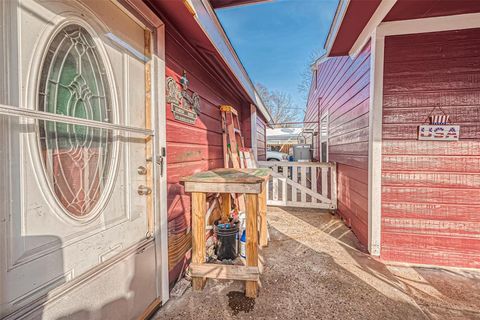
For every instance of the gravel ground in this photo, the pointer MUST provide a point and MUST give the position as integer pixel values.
(316, 269)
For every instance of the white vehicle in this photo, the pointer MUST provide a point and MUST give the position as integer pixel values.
(276, 156)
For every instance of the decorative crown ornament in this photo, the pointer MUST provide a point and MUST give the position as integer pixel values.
(184, 81)
(185, 106)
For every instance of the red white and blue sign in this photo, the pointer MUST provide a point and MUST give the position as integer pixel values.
(439, 132)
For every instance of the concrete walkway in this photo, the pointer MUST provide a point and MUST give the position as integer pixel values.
(316, 269)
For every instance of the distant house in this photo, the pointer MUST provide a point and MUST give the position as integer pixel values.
(281, 139)
(409, 193)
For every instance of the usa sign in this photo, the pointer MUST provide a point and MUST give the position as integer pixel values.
(439, 132)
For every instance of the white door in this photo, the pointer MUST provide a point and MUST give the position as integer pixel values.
(69, 192)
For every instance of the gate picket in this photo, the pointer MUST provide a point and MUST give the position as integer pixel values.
(304, 179)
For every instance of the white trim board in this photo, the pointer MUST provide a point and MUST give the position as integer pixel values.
(161, 218)
(425, 25)
(375, 145)
(377, 17)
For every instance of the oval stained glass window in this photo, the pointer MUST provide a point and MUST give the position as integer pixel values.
(73, 82)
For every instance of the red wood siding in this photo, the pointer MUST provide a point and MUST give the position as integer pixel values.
(431, 190)
(246, 126)
(191, 148)
(342, 90)
(406, 9)
(261, 139)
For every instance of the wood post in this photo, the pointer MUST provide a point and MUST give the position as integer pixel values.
(226, 154)
(199, 201)
(233, 140)
(226, 206)
(252, 241)
(262, 211)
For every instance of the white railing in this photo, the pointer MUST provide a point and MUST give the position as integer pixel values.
(302, 184)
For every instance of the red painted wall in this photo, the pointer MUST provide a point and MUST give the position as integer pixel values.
(431, 190)
(246, 125)
(191, 148)
(342, 89)
(261, 138)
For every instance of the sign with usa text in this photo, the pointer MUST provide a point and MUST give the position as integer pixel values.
(439, 132)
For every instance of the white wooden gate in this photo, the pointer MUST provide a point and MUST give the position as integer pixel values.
(302, 184)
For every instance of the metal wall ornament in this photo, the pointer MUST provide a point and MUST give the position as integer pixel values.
(185, 106)
(440, 128)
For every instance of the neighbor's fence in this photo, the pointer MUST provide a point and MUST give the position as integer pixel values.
(302, 184)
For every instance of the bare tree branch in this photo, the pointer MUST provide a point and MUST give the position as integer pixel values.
(279, 104)
(306, 75)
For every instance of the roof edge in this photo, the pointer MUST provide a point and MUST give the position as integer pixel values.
(324, 57)
(336, 23)
(236, 3)
(211, 26)
(380, 13)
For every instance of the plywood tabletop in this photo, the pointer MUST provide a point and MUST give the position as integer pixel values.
(230, 175)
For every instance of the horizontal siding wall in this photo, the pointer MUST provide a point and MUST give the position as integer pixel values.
(342, 90)
(431, 190)
(261, 139)
(190, 148)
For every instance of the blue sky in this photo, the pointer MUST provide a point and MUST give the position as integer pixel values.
(275, 40)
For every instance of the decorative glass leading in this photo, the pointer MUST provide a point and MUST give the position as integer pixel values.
(73, 82)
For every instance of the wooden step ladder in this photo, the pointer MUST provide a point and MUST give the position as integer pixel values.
(241, 157)
(233, 142)
(233, 146)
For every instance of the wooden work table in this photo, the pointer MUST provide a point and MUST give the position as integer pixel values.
(251, 183)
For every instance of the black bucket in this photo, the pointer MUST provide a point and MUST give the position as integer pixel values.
(226, 248)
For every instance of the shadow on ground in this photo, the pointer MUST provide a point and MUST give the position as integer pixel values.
(316, 269)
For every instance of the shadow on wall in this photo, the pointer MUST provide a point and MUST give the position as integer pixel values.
(122, 290)
(193, 147)
(17, 304)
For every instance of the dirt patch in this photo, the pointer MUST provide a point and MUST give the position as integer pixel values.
(238, 302)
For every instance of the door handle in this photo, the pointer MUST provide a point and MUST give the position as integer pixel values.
(141, 170)
(144, 190)
(158, 161)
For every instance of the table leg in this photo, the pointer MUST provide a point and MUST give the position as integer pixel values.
(262, 203)
(199, 201)
(252, 241)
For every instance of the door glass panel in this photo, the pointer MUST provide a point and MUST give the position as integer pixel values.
(76, 158)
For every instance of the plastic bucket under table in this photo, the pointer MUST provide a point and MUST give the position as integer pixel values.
(227, 241)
